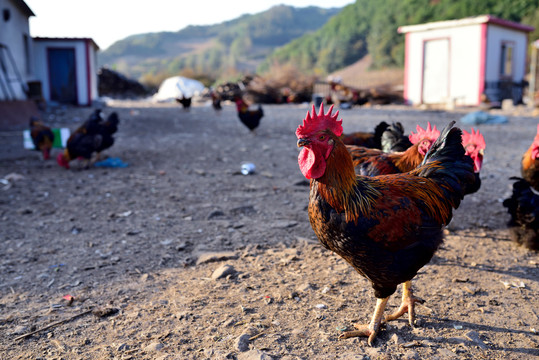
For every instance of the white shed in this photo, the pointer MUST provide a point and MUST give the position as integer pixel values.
(459, 61)
(67, 69)
(15, 49)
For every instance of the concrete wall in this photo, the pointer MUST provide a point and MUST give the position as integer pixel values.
(13, 33)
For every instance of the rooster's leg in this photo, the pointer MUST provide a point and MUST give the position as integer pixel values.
(372, 328)
(407, 304)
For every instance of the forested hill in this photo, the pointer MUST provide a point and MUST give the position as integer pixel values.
(370, 26)
(239, 45)
(313, 40)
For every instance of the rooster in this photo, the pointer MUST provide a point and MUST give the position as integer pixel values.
(387, 227)
(42, 137)
(523, 207)
(366, 139)
(93, 136)
(394, 140)
(530, 163)
(372, 162)
(249, 118)
(474, 145)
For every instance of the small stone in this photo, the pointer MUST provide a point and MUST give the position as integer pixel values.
(20, 330)
(254, 355)
(474, 337)
(411, 355)
(304, 287)
(223, 271)
(155, 346)
(447, 354)
(373, 353)
(396, 339)
(241, 343)
(123, 347)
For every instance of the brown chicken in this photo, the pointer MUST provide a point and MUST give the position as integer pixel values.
(386, 227)
(42, 137)
(372, 162)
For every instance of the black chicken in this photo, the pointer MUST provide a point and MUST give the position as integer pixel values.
(94, 135)
(523, 206)
(186, 102)
(394, 140)
(366, 139)
(249, 118)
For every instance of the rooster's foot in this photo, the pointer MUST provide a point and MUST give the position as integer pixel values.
(362, 330)
(407, 305)
(372, 328)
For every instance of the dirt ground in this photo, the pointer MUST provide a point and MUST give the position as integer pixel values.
(180, 256)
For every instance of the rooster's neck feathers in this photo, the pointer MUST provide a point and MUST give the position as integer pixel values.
(340, 187)
(408, 160)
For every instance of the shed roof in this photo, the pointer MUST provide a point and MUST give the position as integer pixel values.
(66, 39)
(21, 5)
(481, 19)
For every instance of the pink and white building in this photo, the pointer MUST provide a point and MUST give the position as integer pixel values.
(460, 61)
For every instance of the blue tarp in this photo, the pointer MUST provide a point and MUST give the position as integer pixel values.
(481, 117)
(112, 162)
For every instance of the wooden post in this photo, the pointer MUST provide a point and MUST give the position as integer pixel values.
(533, 72)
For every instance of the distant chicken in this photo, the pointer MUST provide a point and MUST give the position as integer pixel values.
(186, 102)
(386, 227)
(215, 100)
(530, 163)
(366, 139)
(249, 118)
(523, 207)
(474, 145)
(394, 140)
(93, 136)
(42, 137)
(373, 162)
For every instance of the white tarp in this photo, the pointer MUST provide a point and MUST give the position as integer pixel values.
(177, 87)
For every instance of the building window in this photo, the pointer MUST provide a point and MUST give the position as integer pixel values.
(506, 63)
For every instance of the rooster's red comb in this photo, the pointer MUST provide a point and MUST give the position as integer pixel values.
(430, 133)
(475, 137)
(316, 122)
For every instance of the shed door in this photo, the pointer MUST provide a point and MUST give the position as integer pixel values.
(62, 75)
(435, 71)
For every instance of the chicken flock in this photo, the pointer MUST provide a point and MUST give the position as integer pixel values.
(379, 199)
(93, 136)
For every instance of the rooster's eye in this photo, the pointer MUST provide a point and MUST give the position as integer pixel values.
(321, 137)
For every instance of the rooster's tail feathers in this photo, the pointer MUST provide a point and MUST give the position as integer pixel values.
(448, 166)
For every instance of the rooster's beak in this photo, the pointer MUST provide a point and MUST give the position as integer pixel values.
(303, 142)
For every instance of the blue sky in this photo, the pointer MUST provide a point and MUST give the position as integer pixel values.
(107, 21)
